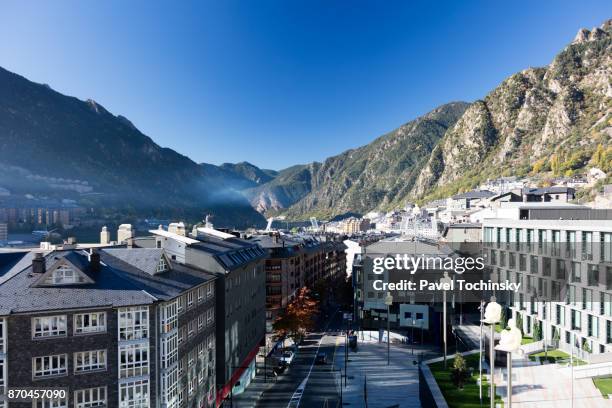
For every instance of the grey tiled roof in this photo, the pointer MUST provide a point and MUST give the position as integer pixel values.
(145, 259)
(17, 293)
(474, 194)
(165, 285)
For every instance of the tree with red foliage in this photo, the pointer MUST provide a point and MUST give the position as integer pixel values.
(298, 318)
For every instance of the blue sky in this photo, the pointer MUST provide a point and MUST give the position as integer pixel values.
(278, 83)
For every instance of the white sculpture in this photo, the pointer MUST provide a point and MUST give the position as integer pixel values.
(492, 313)
(510, 340)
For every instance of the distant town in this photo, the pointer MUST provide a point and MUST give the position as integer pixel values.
(177, 314)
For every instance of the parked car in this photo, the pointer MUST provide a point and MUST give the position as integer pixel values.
(321, 358)
(287, 357)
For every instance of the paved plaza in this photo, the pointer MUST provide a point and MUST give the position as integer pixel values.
(387, 385)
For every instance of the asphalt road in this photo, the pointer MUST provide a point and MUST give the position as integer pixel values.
(306, 384)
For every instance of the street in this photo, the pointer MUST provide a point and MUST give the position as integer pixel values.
(320, 383)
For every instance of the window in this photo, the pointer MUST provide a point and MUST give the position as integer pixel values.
(133, 360)
(48, 326)
(534, 264)
(561, 269)
(576, 320)
(63, 275)
(2, 335)
(189, 299)
(90, 323)
(170, 387)
(168, 317)
(191, 327)
(201, 321)
(593, 326)
(587, 245)
(181, 304)
(587, 299)
(134, 394)
(606, 304)
(576, 275)
(91, 397)
(162, 265)
(48, 366)
(89, 361)
(133, 323)
(522, 262)
(546, 266)
(606, 246)
(210, 316)
(571, 243)
(560, 315)
(56, 403)
(593, 275)
(200, 294)
(169, 348)
(209, 290)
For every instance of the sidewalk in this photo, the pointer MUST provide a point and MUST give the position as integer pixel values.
(396, 384)
(253, 392)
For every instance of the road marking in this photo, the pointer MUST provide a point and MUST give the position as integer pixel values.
(294, 402)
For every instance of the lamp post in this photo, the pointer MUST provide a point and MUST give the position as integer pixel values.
(572, 364)
(492, 316)
(481, 308)
(447, 284)
(388, 302)
(510, 342)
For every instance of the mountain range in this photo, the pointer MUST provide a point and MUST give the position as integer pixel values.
(547, 121)
(555, 119)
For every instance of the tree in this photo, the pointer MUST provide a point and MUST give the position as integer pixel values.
(519, 322)
(503, 321)
(586, 347)
(554, 164)
(298, 318)
(537, 331)
(459, 371)
(556, 337)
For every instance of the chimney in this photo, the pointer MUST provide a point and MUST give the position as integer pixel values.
(38, 263)
(94, 261)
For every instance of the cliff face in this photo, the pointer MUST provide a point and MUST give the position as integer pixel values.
(372, 176)
(562, 111)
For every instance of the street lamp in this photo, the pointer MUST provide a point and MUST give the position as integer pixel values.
(492, 317)
(510, 342)
(481, 308)
(447, 283)
(388, 302)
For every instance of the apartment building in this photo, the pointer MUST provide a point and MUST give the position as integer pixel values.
(409, 310)
(240, 294)
(107, 327)
(295, 261)
(565, 270)
(355, 225)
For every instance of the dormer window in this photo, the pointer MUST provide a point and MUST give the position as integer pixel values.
(162, 265)
(63, 275)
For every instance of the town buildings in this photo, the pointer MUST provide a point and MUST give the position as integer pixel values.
(564, 265)
(295, 261)
(108, 326)
(240, 296)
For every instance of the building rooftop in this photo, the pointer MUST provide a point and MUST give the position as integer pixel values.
(473, 195)
(19, 291)
(139, 267)
(125, 276)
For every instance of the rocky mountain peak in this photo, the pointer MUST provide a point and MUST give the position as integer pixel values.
(595, 34)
